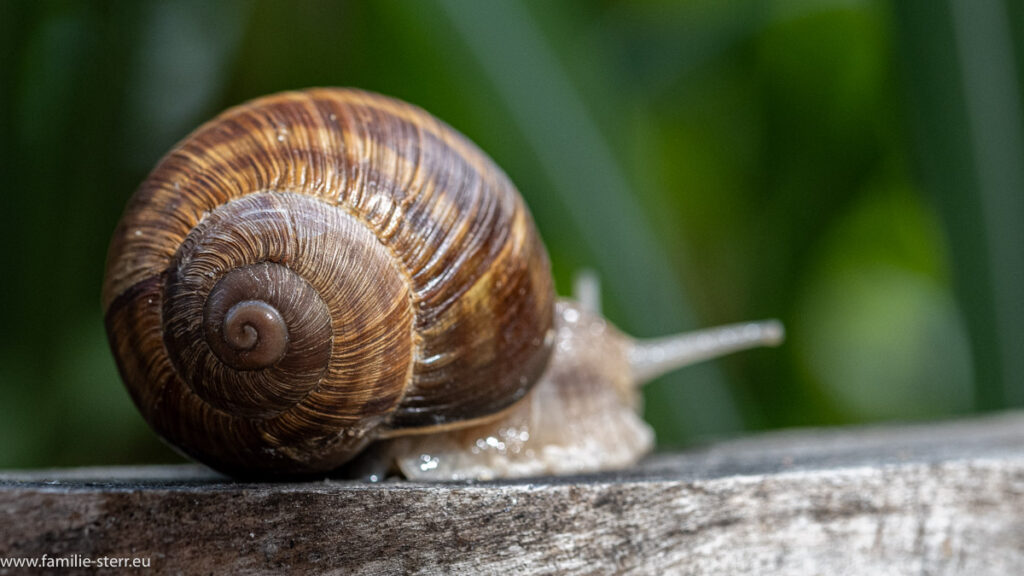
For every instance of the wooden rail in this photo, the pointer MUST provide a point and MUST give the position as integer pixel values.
(929, 499)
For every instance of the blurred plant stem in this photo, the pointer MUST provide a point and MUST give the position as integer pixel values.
(587, 177)
(963, 106)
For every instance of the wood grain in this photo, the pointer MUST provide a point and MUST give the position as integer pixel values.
(935, 499)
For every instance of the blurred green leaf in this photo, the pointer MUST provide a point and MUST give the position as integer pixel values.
(878, 327)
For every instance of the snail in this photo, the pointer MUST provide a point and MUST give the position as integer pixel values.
(315, 272)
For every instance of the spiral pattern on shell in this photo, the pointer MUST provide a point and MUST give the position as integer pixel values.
(312, 270)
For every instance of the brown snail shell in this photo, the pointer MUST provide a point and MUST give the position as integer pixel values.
(314, 270)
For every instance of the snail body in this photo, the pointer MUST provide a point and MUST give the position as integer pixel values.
(583, 415)
(315, 271)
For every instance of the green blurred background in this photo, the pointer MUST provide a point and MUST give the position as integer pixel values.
(851, 167)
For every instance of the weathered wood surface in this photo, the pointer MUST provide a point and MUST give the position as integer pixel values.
(934, 499)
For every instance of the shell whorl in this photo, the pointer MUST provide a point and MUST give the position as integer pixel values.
(311, 269)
